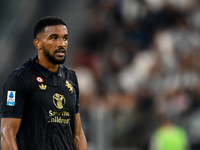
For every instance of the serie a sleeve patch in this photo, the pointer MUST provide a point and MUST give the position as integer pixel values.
(11, 98)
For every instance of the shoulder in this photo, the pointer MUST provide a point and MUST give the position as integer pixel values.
(23, 71)
(20, 77)
(69, 72)
(70, 75)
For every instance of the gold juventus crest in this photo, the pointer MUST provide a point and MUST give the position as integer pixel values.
(69, 86)
(59, 100)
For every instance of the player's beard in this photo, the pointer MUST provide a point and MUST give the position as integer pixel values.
(52, 58)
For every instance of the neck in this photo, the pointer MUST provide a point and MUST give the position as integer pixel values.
(46, 64)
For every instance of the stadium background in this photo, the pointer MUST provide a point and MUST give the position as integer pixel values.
(135, 59)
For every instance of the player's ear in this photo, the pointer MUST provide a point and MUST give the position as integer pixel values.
(37, 44)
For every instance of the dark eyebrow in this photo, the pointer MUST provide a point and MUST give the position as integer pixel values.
(53, 35)
(57, 35)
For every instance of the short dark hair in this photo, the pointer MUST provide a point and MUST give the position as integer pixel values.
(47, 21)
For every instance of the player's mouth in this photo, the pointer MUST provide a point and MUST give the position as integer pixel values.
(60, 53)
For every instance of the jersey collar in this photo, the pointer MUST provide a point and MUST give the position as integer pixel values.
(45, 71)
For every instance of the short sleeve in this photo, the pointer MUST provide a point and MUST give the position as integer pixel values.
(14, 95)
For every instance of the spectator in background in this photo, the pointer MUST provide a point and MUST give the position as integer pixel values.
(169, 136)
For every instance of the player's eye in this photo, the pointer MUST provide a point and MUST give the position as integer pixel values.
(65, 37)
(54, 37)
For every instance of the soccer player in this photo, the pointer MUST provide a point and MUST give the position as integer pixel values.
(40, 105)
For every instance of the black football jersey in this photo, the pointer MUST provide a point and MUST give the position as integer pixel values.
(46, 102)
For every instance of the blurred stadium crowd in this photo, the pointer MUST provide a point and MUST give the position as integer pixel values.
(140, 59)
